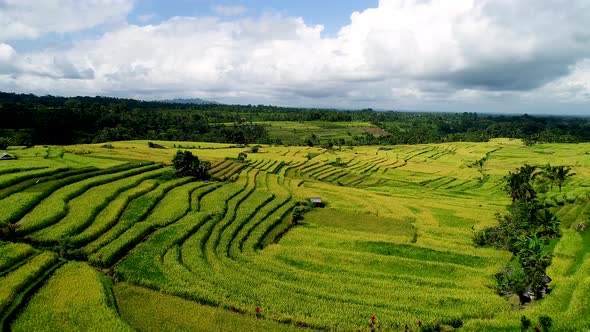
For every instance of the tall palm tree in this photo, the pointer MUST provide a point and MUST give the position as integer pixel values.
(519, 185)
(549, 174)
(562, 173)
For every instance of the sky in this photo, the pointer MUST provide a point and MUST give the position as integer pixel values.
(520, 56)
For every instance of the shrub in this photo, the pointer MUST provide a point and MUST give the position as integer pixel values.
(511, 280)
(242, 156)
(525, 323)
(455, 322)
(187, 164)
(546, 322)
(430, 327)
(4, 142)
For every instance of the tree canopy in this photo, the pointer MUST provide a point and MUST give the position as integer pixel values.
(187, 164)
(29, 119)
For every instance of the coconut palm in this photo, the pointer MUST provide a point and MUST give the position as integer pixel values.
(519, 185)
(562, 173)
(549, 174)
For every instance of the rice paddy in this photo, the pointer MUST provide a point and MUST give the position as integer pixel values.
(107, 239)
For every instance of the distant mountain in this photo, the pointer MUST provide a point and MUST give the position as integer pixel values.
(196, 101)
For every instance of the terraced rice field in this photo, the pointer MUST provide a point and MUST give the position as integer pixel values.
(108, 239)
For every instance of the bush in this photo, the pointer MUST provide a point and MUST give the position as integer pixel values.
(187, 164)
(455, 322)
(4, 142)
(431, 327)
(242, 156)
(525, 323)
(546, 322)
(511, 280)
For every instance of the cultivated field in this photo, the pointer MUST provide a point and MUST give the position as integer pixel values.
(107, 239)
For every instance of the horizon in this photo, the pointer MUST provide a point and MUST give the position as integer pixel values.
(211, 102)
(481, 56)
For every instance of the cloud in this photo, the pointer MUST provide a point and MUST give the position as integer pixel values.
(7, 59)
(403, 53)
(228, 10)
(146, 17)
(30, 19)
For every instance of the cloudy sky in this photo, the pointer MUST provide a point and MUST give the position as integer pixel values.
(436, 55)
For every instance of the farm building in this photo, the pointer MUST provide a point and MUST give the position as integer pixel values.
(317, 202)
(6, 156)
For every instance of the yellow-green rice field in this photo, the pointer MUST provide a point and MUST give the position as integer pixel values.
(105, 238)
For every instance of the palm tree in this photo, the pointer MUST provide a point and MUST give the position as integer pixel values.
(519, 185)
(549, 174)
(562, 173)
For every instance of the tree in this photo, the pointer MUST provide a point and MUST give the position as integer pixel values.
(519, 185)
(242, 156)
(562, 173)
(525, 231)
(4, 142)
(557, 174)
(549, 174)
(187, 164)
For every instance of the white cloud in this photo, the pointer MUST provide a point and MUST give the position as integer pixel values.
(404, 53)
(146, 17)
(29, 19)
(228, 10)
(7, 59)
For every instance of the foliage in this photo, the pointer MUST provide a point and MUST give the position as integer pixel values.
(61, 120)
(242, 156)
(391, 244)
(546, 322)
(4, 142)
(187, 164)
(519, 185)
(557, 174)
(525, 232)
(525, 323)
(511, 279)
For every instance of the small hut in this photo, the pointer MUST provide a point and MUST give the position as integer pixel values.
(6, 156)
(317, 202)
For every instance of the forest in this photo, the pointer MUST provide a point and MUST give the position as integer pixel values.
(27, 119)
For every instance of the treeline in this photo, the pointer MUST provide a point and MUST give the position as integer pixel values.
(28, 119)
(527, 231)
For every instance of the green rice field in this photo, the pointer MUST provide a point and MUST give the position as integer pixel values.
(107, 239)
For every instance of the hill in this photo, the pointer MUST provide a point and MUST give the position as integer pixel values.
(394, 241)
(192, 101)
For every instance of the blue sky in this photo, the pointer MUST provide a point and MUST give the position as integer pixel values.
(332, 14)
(435, 55)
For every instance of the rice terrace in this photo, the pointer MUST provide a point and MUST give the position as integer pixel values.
(105, 237)
(295, 165)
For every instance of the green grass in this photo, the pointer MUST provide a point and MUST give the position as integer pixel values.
(12, 253)
(54, 207)
(10, 179)
(83, 209)
(136, 210)
(296, 132)
(16, 281)
(109, 216)
(395, 239)
(76, 298)
(171, 208)
(361, 222)
(138, 304)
